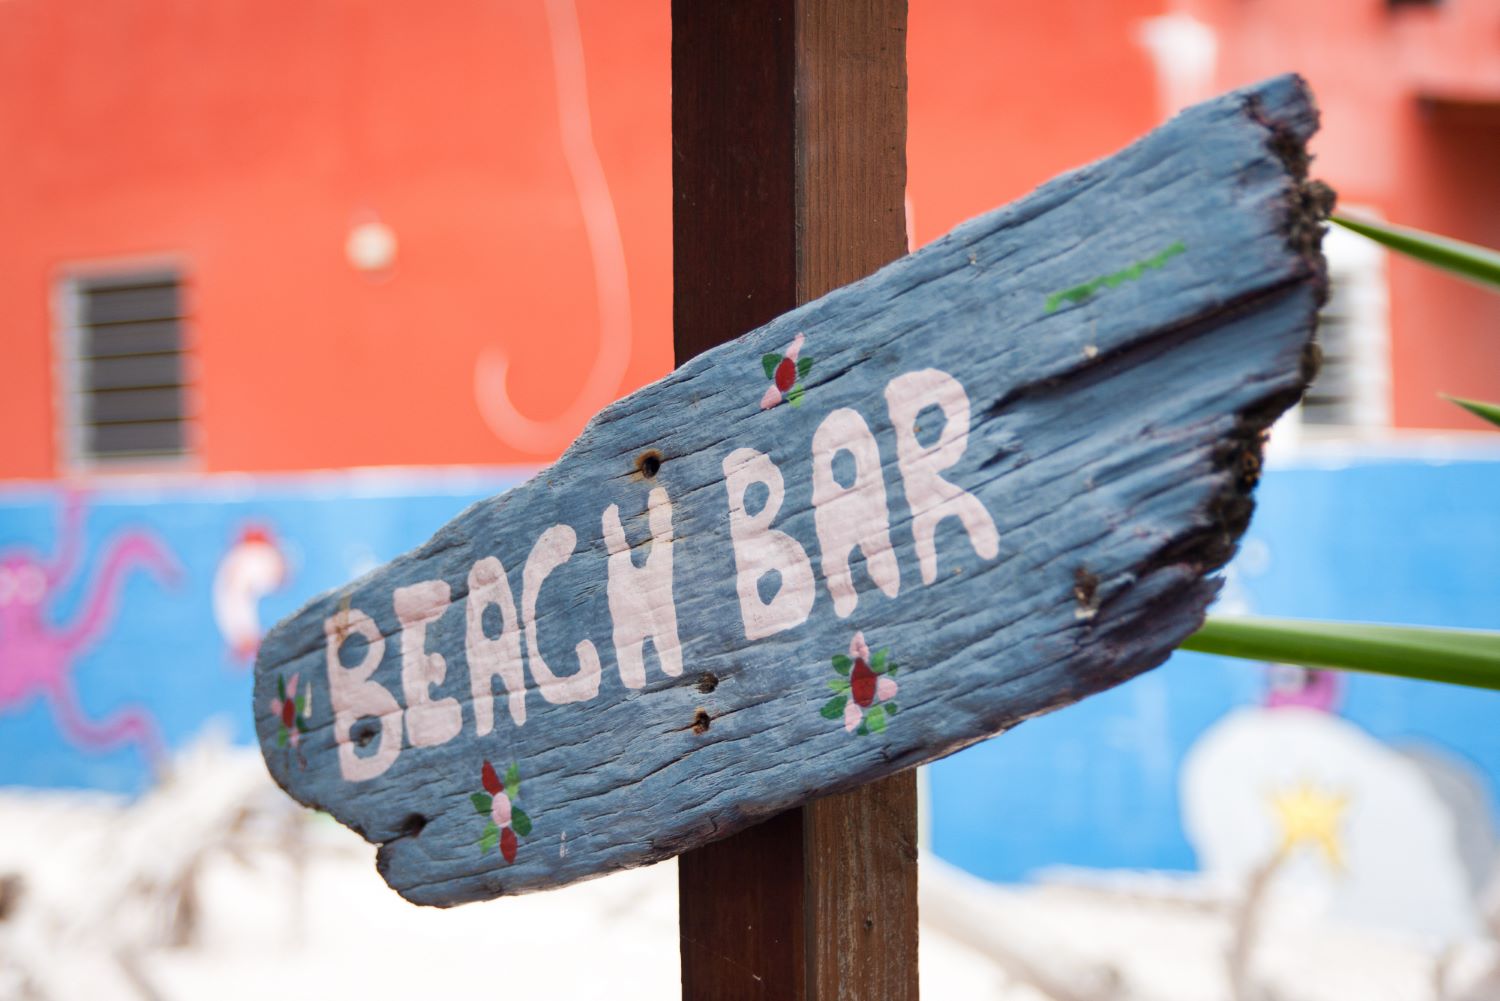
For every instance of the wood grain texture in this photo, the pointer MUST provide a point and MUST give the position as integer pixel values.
(741, 900)
(820, 901)
(1113, 438)
(733, 169)
(859, 847)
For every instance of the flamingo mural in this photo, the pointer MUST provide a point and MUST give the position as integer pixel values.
(251, 569)
(37, 657)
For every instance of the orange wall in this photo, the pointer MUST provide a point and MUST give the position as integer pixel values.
(1434, 165)
(1447, 331)
(1005, 95)
(245, 138)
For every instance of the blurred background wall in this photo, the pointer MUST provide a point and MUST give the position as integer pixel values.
(251, 247)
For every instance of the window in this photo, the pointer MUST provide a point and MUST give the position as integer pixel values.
(125, 382)
(1352, 389)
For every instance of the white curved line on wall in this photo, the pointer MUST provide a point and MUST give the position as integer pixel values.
(601, 226)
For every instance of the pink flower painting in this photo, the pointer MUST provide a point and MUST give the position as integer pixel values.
(291, 709)
(864, 689)
(786, 372)
(507, 821)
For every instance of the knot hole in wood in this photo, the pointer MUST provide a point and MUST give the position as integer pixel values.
(648, 463)
(1085, 593)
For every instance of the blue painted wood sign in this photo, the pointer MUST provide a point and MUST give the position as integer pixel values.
(982, 483)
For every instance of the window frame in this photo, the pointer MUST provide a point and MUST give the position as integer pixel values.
(70, 287)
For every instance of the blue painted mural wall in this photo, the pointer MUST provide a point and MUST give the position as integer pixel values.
(1412, 540)
(162, 657)
(1381, 539)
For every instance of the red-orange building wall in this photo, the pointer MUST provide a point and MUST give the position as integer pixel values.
(244, 140)
(1410, 95)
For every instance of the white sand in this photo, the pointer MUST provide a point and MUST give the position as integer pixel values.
(335, 931)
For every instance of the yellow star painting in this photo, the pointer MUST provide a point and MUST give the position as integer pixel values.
(1308, 815)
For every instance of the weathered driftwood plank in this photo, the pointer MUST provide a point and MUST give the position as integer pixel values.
(982, 483)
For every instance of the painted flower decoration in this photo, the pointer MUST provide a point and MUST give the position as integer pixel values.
(291, 711)
(497, 802)
(863, 690)
(786, 372)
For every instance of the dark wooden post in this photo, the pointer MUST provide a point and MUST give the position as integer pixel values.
(788, 178)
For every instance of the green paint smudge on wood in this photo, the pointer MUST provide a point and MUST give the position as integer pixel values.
(1078, 293)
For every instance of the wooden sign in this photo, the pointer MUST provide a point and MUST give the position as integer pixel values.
(982, 483)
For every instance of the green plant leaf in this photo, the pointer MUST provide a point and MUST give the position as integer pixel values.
(891, 667)
(281, 737)
(769, 363)
(300, 724)
(489, 838)
(890, 708)
(834, 707)
(839, 684)
(513, 780)
(1456, 656)
(300, 703)
(877, 662)
(482, 803)
(875, 718)
(1484, 411)
(863, 729)
(804, 366)
(281, 689)
(841, 663)
(794, 395)
(1467, 260)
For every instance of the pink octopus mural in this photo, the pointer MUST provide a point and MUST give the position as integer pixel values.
(37, 656)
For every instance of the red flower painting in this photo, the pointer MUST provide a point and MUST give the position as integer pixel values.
(864, 690)
(507, 821)
(786, 372)
(291, 710)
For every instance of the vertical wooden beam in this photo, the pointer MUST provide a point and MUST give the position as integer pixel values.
(734, 185)
(789, 173)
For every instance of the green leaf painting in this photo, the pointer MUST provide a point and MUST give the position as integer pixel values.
(513, 780)
(520, 821)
